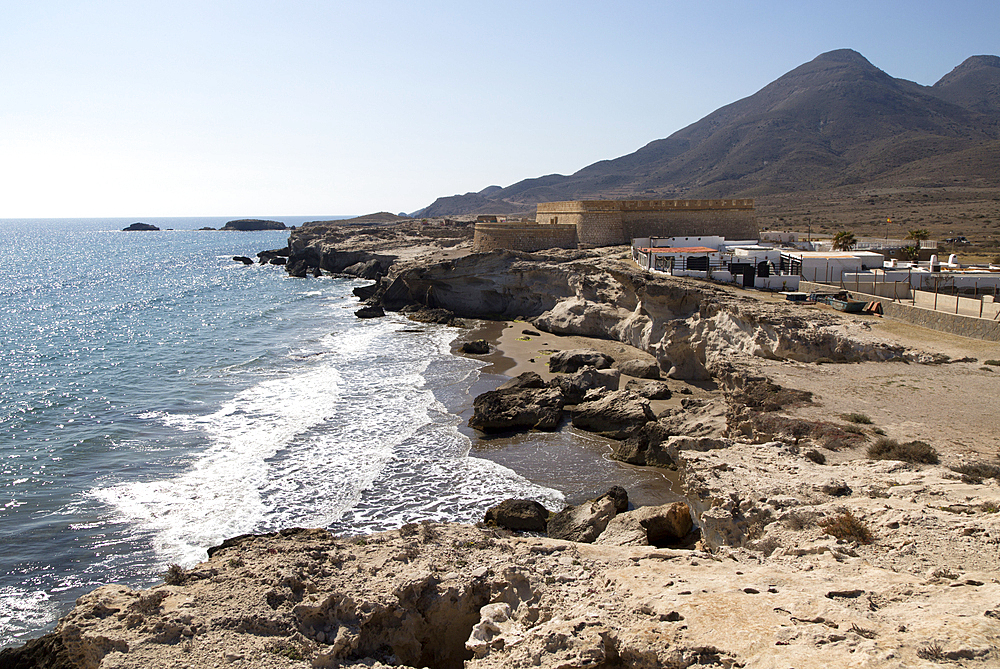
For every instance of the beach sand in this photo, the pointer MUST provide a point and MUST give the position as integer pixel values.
(573, 461)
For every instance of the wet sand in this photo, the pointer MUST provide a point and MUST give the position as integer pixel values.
(575, 462)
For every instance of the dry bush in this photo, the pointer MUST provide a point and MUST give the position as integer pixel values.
(976, 472)
(174, 575)
(911, 451)
(815, 456)
(765, 395)
(859, 418)
(847, 526)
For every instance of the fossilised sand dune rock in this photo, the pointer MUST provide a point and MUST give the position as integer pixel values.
(518, 515)
(688, 326)
(649, 526)
(615, 416)
(575, 386)
(443, 595)
(568, 362)
(582, 523)
(518, 409)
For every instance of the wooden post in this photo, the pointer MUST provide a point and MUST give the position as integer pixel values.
(935, 295)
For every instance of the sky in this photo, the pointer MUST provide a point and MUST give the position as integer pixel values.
(291, 107)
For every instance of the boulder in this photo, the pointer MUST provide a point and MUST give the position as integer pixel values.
(272, 255)
(370, 269)
(584, 522)
(571, 361)
(641, 369)
(365, 292)
(619, 496)
(243, 259)
(575, 386)
(520, 515)
(651, 390)
(657, 526)
(645, 447)
(140, 227)
(615, 416)
(524, 380)
(373, 311)
(517, 409)
(477, 347)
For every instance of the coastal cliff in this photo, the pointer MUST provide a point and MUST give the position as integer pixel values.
(688, 326)
(814, 552)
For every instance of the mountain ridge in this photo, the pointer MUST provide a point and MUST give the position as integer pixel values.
(836, 121)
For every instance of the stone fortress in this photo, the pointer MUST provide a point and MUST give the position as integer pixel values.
(592, 223)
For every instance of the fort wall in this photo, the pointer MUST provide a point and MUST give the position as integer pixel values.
(613, 222)
(527, 237)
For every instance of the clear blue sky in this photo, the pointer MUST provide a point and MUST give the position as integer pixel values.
(183, 108)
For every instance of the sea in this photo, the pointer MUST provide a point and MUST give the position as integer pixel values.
(157, 397)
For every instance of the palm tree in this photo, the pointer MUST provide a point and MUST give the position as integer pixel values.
(844, 241)
(918, 236)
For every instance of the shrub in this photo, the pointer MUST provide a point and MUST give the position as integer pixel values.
(911, 451)
(859, 418)
(815, 456)
(878, 431)
(174, 575)
(989, 507)
(995, 363)
(855, 429)
(975, 472)
(847, 526)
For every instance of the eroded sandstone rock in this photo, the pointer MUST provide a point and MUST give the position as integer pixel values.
(615, 416)
(571, 361)
(518, 409)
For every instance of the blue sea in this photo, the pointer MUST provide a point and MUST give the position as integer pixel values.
(157, 397)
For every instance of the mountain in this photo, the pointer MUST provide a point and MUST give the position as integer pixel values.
(836, 121)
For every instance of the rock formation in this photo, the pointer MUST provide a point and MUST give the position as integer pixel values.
(140, 227)
(253, 225)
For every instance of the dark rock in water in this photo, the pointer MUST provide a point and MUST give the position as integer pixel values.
(440, 316)
(374, 311)
(265, 257)
(517, 409)
(206, 229)
(584, 522)
(615, 416)
(243, 259)
(575, 386)
(524, 380)
(477, 347)
(651, 390)
(140, 227)
(571, 361)
(641, 369)
(519, 515)
(253, 225)
(365, 292)
(645, 447)
(316, 272)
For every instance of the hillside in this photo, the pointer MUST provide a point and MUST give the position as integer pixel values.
(835, 122)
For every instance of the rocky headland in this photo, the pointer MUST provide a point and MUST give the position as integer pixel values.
(840, 476)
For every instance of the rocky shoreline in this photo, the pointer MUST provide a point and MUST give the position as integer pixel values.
(814, 549)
